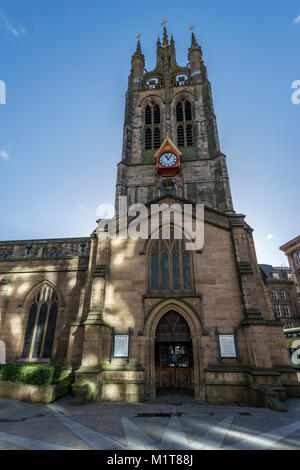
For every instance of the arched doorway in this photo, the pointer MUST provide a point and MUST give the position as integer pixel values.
(173, 353)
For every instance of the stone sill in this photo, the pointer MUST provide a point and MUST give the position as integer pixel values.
(157, 294)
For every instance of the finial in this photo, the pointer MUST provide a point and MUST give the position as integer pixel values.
(138, 46)
(194, 40)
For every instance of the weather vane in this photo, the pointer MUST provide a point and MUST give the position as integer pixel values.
(192, 27)
(163, 23)
(139, 35)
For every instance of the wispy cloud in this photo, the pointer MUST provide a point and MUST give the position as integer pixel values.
(270, 237)
(4, 154)
(297, 20)
(6, 24)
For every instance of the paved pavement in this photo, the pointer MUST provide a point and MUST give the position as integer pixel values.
(158, 425)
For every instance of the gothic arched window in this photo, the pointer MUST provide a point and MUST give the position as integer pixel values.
(170, 265)
(185, 136)
(152, 135)
(41, 323)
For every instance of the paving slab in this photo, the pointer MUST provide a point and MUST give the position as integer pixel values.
(162, 426)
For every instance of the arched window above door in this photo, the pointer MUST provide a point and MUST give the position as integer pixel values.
(172, 327)
(41, 323)
(170, 265)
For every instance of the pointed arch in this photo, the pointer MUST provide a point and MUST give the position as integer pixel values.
(42, 306)
(152, 119)
(193, 320)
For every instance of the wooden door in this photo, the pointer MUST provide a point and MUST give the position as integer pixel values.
(174, 365)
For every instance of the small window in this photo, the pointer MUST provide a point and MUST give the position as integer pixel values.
(286, 310)
(277, 310)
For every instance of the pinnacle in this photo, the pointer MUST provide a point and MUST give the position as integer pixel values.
(138, 47)
(194, 41)
(165, 40)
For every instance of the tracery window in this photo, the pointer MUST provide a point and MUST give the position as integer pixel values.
(184, 120)
(41, 323)
(170, 265)
(152, 133)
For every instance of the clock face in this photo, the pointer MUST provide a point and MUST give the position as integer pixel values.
(168, 159)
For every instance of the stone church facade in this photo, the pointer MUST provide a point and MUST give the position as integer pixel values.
(68, 301)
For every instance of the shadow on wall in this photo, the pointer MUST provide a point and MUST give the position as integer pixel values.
(2, 353)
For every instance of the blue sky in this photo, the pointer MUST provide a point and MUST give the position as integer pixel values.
(66, 63)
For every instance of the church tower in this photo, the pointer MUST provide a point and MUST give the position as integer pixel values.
(132, 315)
(173, 101)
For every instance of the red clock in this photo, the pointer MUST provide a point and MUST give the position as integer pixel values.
(168, 159)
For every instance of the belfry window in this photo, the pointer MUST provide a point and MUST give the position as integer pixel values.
(185, 136)
(41, 323)
(152, 134)
(170, 265)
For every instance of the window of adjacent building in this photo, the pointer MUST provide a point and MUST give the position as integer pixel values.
(185, 134)
(274, 294)
(288, 325)
(290, 277)
(283, 294)
(275, 276)
(286, 310)
(152, 133)
(41, 323)
(277, 310)
(170, 266)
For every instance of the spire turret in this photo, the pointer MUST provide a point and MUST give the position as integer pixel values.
(195, 58)
(137, 66)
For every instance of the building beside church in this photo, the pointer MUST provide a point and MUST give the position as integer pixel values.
(283, 294)
(131, 316)
(292, 251)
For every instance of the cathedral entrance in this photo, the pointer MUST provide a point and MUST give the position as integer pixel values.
(173, 353)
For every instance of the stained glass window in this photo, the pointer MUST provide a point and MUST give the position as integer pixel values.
(170, 265)
(41, 324)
